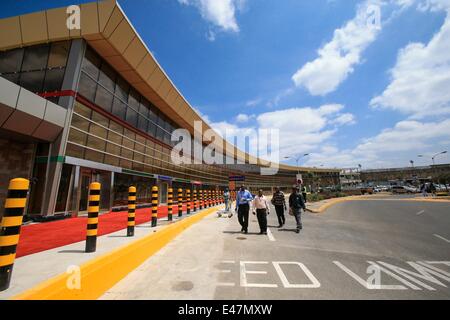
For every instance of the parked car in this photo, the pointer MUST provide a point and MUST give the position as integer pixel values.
(411, 189)
(366, 190)
(399, 190)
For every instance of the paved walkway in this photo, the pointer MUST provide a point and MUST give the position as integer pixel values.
(33, 269)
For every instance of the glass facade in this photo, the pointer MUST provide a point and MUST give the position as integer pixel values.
(38, 68)
(94, 137)
(100, 84)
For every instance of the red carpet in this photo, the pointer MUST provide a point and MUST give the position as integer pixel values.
(44, 236)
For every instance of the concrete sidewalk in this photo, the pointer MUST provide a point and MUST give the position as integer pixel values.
(32, 270)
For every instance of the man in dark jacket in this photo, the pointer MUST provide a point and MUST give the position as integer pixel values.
(296, 204)
(279, 202)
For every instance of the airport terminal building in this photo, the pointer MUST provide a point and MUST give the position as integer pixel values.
(93, 104)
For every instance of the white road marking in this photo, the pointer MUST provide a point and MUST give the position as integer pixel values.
(424, 273)
(314, 282)
(420, 212)
(369, 286)
(270, 235)
(244, 272)
(442, 238)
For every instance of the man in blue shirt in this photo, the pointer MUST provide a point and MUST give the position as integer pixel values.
(243, 199)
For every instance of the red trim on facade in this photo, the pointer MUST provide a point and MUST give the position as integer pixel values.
(63, 93)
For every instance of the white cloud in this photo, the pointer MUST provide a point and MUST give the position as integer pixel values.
(392, 147)
(338, 57)
(254, 102)
(300, 129)
(344, 119)
(221, 13)
(241, 118)
(421, 78)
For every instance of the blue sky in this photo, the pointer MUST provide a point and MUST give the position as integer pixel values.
(343, 91)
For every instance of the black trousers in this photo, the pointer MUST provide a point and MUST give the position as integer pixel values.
(280, 214)
(261, 214)
(243, 210)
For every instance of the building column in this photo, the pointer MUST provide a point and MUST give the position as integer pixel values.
(58, 147)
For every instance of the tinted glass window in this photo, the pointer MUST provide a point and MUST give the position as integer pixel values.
(131, 117)
(59, 51)
(53, 80)
(143, 108)
(133, 99)
(87, 87)
(35, 58)
(142, 123)
(107, 77)
(11, 60)
(104, 99)
(151, 129)
(119, 109)
(91, 63)
(33, 80)
(122, 89)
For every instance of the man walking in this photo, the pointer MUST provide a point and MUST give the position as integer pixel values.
(226, 198)
(243, 200)
(304, 194)
(296, 204)
(279, 202)
(261, 205)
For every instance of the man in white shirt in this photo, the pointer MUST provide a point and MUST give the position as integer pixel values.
(261, 206)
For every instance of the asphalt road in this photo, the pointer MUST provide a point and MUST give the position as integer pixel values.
(352, 251)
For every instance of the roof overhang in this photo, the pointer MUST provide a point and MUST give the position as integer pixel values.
(26, 114)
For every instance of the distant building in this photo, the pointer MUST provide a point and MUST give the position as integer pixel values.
(412, 175)
(350, 177)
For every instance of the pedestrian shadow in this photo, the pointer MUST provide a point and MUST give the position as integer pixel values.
(239, 232)
(72, 251)
(288, 230)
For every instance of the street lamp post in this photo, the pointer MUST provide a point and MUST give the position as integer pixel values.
(298, 159)
(437, 154)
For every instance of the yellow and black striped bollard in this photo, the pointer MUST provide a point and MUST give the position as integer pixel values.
(10, 228)
(131, 211)
(210, 198)
(93, 209)
(201, 199)
(154, 206)
(188, 201)
(180, 202)
(194, 208)
(170, 204)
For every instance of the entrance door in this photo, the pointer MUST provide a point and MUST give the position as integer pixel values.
(84, 189)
